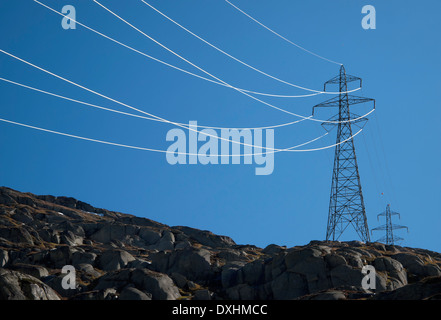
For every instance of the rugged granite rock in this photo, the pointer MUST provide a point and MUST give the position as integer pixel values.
(120, 256)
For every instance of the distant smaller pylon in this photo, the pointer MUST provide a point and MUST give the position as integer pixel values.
(389, 238)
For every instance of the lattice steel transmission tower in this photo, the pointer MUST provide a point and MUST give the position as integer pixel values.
(389, 238)
(346, 205)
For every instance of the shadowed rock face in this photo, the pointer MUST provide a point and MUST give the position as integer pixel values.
(20, 286)
(120, 256)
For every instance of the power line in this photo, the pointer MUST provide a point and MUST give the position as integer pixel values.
(385, 159)
(184, 59)
(177, 68)
(218, 49)
(164, 120)
(189, 62)
(282, 37)
(104, 96)
(382, 188)
(374, 172)
(116, 101)
(135, 115)
(380, 167)
(154, 119)
(206, 72)
(291, 149)
(121, 103)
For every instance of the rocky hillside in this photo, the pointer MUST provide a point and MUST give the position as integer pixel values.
(121, 256)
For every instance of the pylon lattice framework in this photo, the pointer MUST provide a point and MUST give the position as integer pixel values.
(389, 238)
(346, 205)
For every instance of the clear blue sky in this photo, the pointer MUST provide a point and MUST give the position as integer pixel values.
(399, 63)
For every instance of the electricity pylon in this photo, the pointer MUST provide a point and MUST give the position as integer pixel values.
(346, 205)
(389, 238)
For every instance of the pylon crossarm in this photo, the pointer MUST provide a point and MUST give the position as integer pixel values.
(333, 102)
(383, 227)
(383, 214)
(395, 238)
(382, 239)
(336, 102)
(333, 122)
(396, 226)
(337, 79)
(393, 213)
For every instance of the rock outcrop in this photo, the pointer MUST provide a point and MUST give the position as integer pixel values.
(120, 256)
